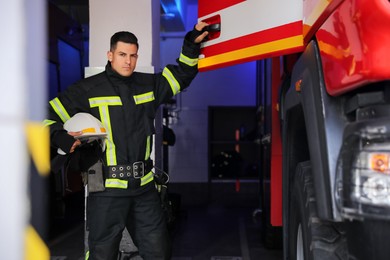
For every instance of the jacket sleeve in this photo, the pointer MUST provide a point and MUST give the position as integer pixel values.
(60, 110)
(175, 78)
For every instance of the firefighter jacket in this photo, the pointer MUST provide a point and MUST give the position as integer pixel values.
(126, 106)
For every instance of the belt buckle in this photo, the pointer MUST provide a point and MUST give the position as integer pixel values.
(138, 170)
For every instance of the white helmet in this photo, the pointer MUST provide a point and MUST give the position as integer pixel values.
(91, 127)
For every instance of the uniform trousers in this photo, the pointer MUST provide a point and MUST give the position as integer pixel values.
(143, 217)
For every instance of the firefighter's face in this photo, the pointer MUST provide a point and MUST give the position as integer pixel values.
(124, 58)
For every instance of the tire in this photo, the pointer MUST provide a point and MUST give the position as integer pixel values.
(311, 238)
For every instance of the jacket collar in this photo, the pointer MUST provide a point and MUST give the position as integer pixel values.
(115, 77)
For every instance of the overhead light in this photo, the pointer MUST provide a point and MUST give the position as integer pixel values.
(168, 16)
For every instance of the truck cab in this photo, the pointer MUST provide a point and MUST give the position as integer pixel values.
(327, 110)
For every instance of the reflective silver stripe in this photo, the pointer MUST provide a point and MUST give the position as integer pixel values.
(175, 86)
(102, 103)
(48, 122)
(187, 60)
(116, 183)
(147, 178)
(143, 98)
(59, 109)
(147, 153)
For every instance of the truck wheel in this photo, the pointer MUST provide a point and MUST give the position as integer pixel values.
(311, 238)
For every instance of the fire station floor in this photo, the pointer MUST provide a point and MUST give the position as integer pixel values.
(217, 230)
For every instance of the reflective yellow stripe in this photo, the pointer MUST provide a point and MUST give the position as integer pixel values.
(102, 103)
(147, 153)
(147, 178)
(122, 184)
(105, 101)
(59, 109)
(116, 183)
(187, 60)
(144, 98)
(175, 86)
(93, 130)
(110, 146)
(87, 255)
(48, 122)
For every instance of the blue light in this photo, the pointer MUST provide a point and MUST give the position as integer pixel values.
(173, 18)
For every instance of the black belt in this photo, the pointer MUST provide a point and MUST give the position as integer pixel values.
(135, 170)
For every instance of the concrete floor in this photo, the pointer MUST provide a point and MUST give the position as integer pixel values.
(209, 232)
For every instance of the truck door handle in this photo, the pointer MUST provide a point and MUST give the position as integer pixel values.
(214, 27)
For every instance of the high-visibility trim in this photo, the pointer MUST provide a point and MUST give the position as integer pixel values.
(189, 61)
(48, 122)
(175, 86)
(105, 101)
(251, 52)
(147, 153)
(110, 146)
(87, 255)
(123, 184)
(147, 178)
(59, 109)
(93, 130)
(116, 183)
(144, 98)
(102, 103)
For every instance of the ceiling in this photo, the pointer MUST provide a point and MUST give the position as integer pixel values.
(172, 19)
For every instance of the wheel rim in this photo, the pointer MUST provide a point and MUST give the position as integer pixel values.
(300, 255)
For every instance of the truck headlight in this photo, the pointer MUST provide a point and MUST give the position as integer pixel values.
(363, 177)
(372, 177)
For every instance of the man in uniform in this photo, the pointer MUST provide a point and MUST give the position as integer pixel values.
(126, 103)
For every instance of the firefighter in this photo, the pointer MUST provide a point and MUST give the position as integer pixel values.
(125, 102)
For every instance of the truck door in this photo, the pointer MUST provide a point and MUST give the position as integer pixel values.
(250, 30)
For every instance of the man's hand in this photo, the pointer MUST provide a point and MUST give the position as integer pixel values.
(77, 142)
(199, 27)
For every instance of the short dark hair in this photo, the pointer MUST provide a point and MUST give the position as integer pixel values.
(123, 36)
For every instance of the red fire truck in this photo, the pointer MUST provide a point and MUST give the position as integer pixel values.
(323, 70)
